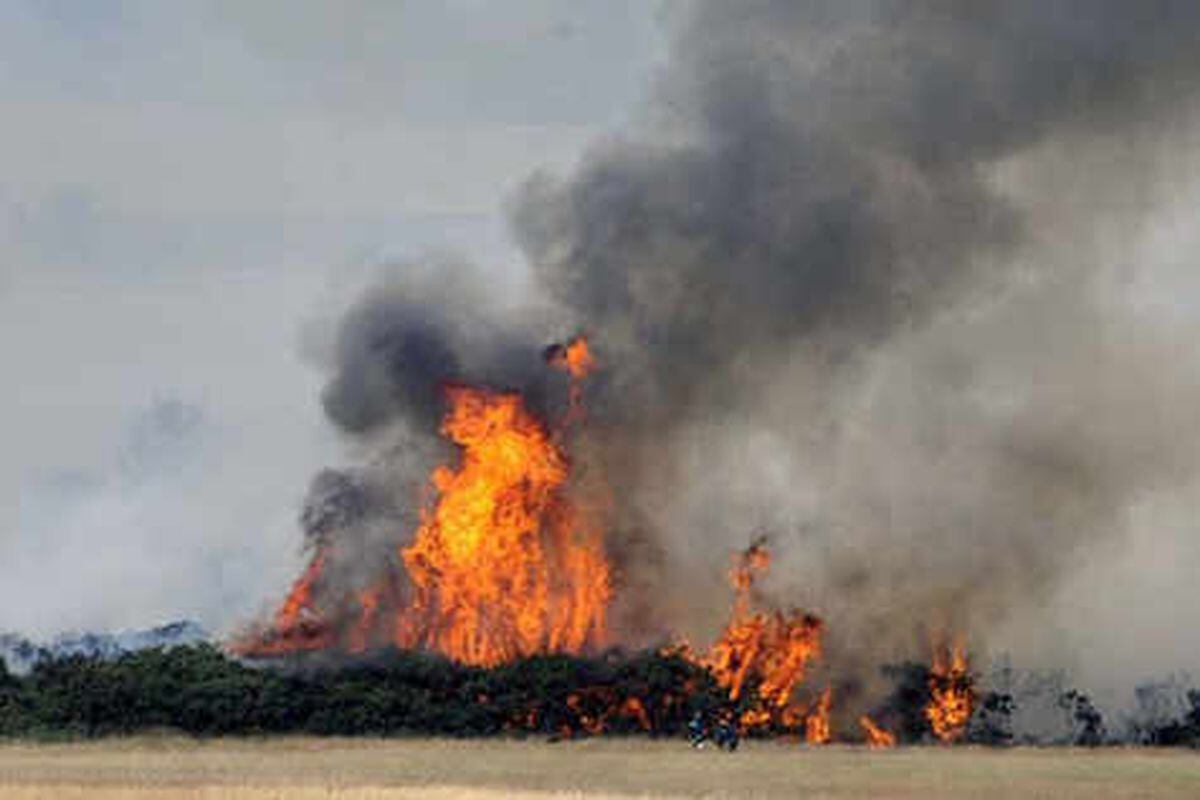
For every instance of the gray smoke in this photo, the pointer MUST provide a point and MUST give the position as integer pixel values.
(823, 169)
(831, 305)
(417, 327)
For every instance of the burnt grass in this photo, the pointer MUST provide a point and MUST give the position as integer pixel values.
(200, 690)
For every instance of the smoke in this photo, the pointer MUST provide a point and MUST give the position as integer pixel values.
(835, 300)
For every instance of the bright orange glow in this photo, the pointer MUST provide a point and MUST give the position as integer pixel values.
(772, 650)
(504, 564)
(369, 601)
(595, 709)
(816, 724)
(576, 359)
(501, 565)
(951, 693)
(877, 737)
(297, 625)
(633, 708)
(299, 602)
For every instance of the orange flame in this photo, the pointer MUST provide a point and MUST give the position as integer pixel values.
(369, 601)
(501, 566)
(951, 693)
(634, 708)
(299, 603)
(504, 565)
(576, 359)
(772, 650)
(816, 724)
(596, 708)
(297, 622)
(877, 737)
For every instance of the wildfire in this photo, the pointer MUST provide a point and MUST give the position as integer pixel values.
(771, 650)
(299, 602)
(501, 566)
(576, 359)
(951, 693)
(816, 724)
(877, 737)
(597, 711)
(369, 601)
(297, 623)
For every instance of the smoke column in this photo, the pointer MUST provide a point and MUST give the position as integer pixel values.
(834, 301)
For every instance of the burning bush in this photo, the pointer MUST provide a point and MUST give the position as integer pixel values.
(199, 690)
(503, 565)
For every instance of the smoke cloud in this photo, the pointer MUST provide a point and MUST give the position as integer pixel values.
(837, 300)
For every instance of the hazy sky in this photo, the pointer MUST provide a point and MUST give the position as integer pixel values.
(188, 190)
(185, 187)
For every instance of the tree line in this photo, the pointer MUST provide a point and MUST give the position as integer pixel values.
(200, 690)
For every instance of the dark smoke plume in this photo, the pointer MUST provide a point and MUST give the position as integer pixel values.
(825, 167)
(824, 308)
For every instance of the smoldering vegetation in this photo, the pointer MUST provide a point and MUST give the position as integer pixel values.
(834, 301)
(198, 690)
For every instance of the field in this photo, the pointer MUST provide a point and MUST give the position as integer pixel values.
(178, 769)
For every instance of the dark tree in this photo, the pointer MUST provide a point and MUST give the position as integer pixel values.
(904, 710)
(1086, 720)
(992, 721)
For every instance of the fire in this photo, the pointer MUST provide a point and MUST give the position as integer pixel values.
(501, 565)
(297, 623)
(597, 710)
(576, 359)
(951, 693)
(771, 650)
(369, 601)
(504, 565)
(299, 602)
(877, 737)
(816, 724)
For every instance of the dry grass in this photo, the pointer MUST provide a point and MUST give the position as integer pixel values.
(73, 792)
(176, 769)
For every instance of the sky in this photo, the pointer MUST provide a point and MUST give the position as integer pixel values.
(185, 189)
(190, 193)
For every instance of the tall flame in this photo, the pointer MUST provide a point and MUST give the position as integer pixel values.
(951, 693)
(297, 623)
(502, 564)
(772, 650)
(816, 724)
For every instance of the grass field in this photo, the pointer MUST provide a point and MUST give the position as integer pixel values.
(178, 769)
